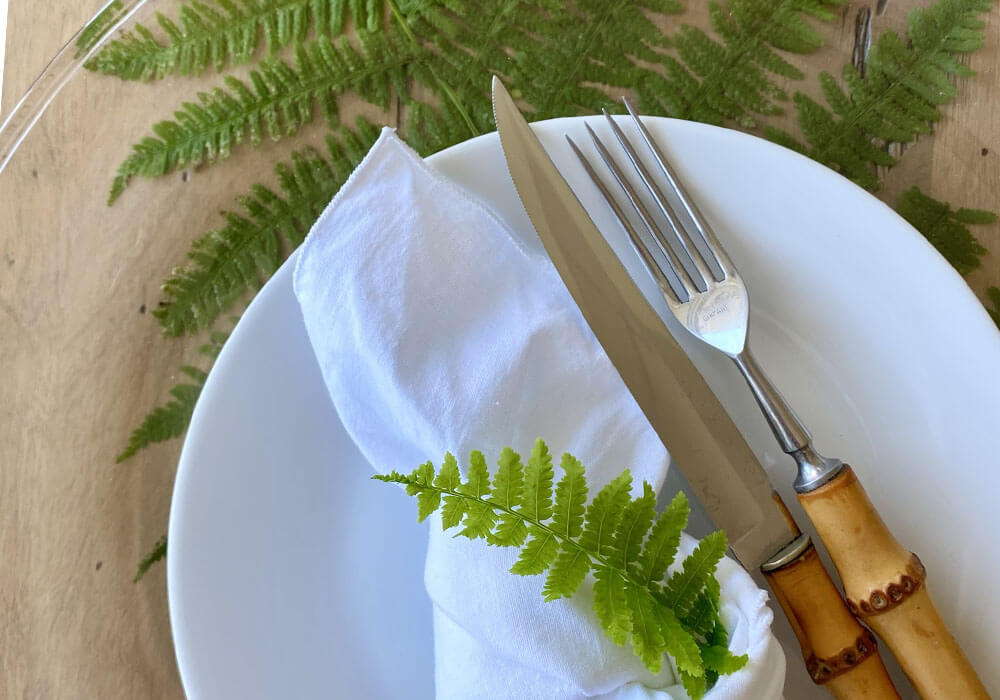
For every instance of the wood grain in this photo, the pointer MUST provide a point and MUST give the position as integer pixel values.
(83, 360)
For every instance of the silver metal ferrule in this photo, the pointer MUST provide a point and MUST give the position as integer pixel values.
(814, 469)
(787, 554)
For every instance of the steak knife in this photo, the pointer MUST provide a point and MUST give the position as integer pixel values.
(724, 474)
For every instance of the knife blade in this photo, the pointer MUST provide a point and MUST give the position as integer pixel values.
(700, 436)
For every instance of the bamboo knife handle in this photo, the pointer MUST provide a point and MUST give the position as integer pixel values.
(840, 654)
(885, 588)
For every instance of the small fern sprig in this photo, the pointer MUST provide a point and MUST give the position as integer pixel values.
(172, 418)
(733, 78)
(622, 540)
(220, 32)
(897, 99)
(945, 228)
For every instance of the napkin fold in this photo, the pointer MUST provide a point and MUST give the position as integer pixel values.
(436, 331)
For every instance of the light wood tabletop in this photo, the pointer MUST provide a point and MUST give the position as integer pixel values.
(82, 359)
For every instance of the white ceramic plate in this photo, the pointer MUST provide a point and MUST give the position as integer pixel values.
(292, 576)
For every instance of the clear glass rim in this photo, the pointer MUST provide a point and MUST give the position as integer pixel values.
(59, 71)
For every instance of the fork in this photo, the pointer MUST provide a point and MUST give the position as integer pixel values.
(884, 583)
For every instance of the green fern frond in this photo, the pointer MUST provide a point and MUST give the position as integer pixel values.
(98, 27)
(221, 32)
(158, 552)
(236, 258)
(277, 101)
(568, 540)
(897, 99)
(171, 419)
(733, 78)
(945, 228)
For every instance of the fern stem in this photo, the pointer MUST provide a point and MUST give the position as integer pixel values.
(445, 88)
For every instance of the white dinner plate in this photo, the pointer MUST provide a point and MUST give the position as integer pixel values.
(291, 575)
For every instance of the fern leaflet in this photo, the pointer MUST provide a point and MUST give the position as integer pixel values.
(899, 96)
(158, 552)
(945, 228)
(568, 540)
(683, 587)
(171, 419)
(221, 32)
(664, 538)
(603, 514)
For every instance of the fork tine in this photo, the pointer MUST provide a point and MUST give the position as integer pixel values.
(649, 223)
(668, 282)
(705, 231)
(698, 271)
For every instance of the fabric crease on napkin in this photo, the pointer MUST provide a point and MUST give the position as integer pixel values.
(436, 331)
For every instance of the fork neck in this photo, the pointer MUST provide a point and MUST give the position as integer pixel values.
(814, 469)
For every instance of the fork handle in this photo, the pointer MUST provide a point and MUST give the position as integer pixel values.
(885, 588)
(840, 654)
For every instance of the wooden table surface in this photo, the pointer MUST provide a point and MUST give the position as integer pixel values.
(82, 362)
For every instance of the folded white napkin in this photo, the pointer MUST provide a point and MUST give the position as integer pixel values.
(436, 331)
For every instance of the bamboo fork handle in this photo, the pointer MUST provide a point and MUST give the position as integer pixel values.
(885, 588)
(839, 653)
